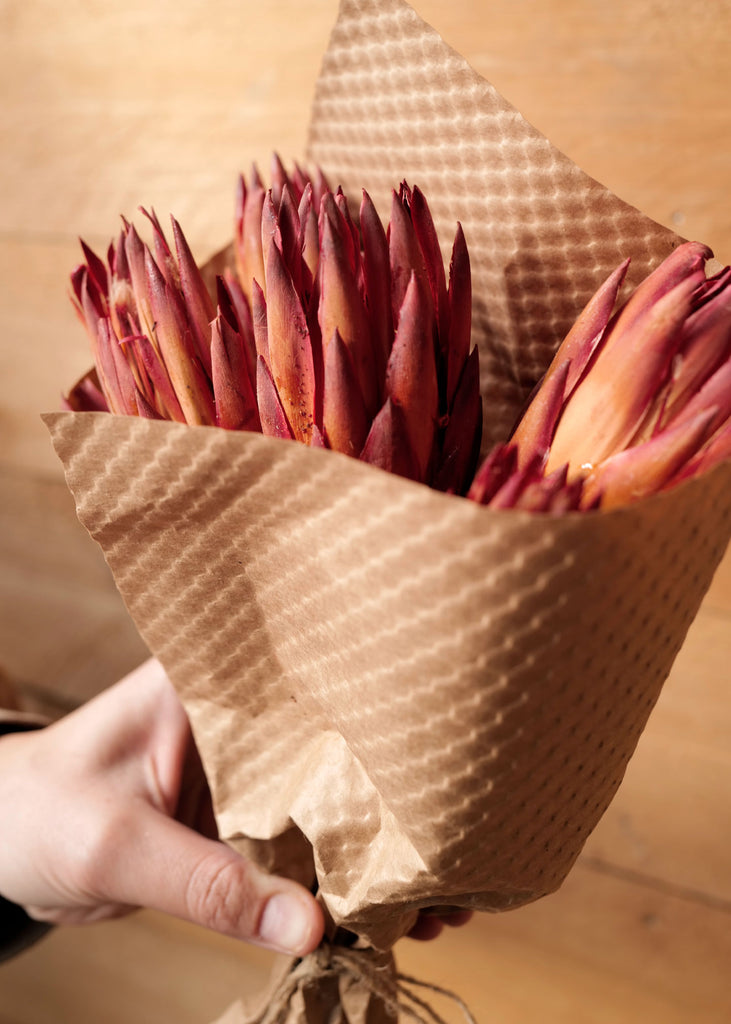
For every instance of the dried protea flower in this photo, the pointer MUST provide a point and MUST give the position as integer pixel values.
(161, 348)
(333, 332)
(501, 482)
(637, 400)
(363, 346)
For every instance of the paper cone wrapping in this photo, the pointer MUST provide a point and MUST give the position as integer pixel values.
(415, 699)
(441, 698)
(321, 990)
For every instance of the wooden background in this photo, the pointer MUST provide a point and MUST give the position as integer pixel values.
(160, 102)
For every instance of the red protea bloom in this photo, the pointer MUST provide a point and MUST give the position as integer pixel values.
(333, 332)
(362, 344)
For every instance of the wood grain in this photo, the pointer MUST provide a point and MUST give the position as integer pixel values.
(108, 106)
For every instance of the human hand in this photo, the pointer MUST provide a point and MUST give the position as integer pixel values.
(107, 810)
(430, 924)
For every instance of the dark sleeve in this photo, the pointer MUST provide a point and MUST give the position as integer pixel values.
(17, 929)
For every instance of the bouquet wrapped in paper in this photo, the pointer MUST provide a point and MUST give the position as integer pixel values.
(406, 697)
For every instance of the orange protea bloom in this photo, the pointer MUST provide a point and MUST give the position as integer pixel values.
(637, 400)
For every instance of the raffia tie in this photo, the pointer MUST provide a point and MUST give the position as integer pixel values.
(395, 990)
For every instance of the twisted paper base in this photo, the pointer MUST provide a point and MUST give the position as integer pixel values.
(355, 984)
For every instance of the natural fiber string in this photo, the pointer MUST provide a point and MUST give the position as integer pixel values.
(394, 991)
(403, 980)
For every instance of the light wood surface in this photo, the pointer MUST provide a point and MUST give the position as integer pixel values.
(107, 106)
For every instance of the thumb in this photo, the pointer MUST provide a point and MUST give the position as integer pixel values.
(166, 866)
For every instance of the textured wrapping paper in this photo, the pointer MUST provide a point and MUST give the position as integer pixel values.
(415, 700)
(394, 101)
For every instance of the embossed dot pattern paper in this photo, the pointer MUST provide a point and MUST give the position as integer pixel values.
(394, 101)
(441, 698)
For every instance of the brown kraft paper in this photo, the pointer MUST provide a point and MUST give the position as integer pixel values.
(412, 699)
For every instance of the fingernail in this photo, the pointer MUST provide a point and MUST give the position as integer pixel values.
(285, 923)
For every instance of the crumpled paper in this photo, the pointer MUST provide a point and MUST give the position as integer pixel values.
(412, 699)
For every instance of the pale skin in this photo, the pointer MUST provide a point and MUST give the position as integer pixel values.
(107, 811)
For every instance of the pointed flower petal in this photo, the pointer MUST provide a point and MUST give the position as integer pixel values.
(715, 451)
(290, 350)
(198, 303)
(716, 393)
(429, 244)
(406, 256)
(706, 343)
(535, 431)
(345, 419)
(646, 468)
(459, 298)
(388, 445)
(232, 390)
(86, 395)
(411, 377)
(274, 421)
(377, 281)
(588, 331)
(495, 470)
(460, 445)
(341, 306)
(166, 400)
(172, 335)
